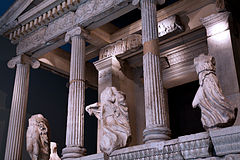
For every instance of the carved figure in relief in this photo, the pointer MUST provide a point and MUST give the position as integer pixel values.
(216, 111)
(113, 115)
(54, 155)
(38, 144)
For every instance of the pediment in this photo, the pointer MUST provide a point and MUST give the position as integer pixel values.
(18, 7)
(23, 11)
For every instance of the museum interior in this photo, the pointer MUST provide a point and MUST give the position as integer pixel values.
(120, 80)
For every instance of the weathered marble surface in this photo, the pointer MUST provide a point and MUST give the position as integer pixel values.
(32, 41)
(54, 155)
(200, 146)
(221, 5)
(113, 114)
(156, 109)
(38, 142)
(186, 147)
(170, 25)
(216, 111)
(226, 140)
(128, 44)
(76, 98)
(17, 118)
(227, 157)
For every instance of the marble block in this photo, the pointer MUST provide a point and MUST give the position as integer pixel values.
(226, 140)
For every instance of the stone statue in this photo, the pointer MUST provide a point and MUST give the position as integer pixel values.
(113, 115)
(216, 111)
(38, 144)
(54, 155)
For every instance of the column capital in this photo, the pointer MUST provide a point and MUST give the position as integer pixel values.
(23, 59)
(216, 23)
(108, 62)
(137, 2)
(77, 31)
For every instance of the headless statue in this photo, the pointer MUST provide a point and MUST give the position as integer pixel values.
(113, 115)
(215, 109)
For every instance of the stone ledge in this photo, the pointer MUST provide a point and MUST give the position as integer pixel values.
(227, 157)
(226, 140)
(200, 146)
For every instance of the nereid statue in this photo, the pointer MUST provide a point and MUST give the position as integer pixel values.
(113, 115)
(216, 111)
(38, 143)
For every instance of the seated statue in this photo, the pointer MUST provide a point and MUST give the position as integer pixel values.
(113, 115)
(38, 144)
(215, 109)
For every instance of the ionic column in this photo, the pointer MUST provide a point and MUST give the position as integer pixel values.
(76, 98)
(156, 111)
(19, 105)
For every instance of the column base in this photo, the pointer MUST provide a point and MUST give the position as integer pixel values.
(73, 152)
(156, 134)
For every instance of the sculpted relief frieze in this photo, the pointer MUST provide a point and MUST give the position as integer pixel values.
(93, 8)
(169, 25)
(130, 43)
(60, 26)
(32, 41)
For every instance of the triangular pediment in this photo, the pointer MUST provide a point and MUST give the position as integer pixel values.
(18, 7)
(23, 11)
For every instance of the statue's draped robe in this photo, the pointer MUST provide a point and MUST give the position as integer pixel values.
(113, 115)
(215, 109)
(115, 127)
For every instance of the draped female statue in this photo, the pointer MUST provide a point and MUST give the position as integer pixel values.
(113, 115)
(215, 109)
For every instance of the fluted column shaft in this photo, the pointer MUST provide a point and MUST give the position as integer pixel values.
(18, 108)
(76, 99)
(156, 111)
(18, 113)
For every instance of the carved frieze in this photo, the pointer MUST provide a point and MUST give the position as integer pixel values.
(93, 8)
(31, 41)
(169, 25)
(60, 26)
(185, 147)
(130, 43)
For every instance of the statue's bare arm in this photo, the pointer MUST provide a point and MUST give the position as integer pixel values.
(94, 109)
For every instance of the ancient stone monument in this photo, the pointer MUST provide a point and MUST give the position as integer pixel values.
(215, 109)
(113, 114)
(38, 143)
(54, 155)
(144, 48)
